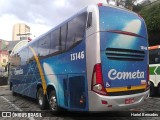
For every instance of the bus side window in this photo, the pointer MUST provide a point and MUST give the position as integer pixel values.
(23, 56)
(157, 57)
(31, 55)
(89, 21)
(15, 60)
(76, 30)
(154, 56)
(44, 45)
(63, 36)
(55, 43)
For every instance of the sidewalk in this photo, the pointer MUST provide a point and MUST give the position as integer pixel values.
(4, 90)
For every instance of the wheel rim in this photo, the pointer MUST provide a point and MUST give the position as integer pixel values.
(40, 99)
(53, 103)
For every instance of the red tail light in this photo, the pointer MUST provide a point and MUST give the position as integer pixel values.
(97, 80)
(100, 4)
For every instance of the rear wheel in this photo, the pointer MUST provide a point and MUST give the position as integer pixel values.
(42, 99)
(152, 90)
(13, 93)
(53, 101)
(11, 88)
(158, 90)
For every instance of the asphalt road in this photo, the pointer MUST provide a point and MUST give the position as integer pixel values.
(22, 104)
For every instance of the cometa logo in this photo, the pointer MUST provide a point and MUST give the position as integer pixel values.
(113, 75)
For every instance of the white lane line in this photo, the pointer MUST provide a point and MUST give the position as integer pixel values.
(13, 105)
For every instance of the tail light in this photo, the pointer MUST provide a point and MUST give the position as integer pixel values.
(148, 83)
(97, 80)
(100, 4)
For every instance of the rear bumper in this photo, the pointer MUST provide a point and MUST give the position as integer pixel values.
(114, 102)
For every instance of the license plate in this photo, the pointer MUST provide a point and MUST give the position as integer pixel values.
(129, 100)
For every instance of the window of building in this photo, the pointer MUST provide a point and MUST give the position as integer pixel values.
(4, 60)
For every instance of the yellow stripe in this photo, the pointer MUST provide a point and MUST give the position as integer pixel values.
(40, 70)
(120, 89)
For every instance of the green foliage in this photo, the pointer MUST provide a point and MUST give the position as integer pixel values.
(129, 2)
(137, 8)
(151, 15)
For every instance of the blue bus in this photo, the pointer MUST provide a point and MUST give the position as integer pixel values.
(97, 60)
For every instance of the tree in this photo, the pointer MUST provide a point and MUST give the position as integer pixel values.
(125, 3)
(151, 15)
(137, 8)
(129, 4)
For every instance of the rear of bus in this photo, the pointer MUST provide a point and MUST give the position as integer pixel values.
(118, 67)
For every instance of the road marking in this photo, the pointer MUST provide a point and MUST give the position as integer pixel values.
(13, 105)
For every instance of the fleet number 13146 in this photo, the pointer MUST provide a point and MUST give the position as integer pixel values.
(77, 56)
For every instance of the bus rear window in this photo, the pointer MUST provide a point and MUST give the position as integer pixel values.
(121, 20)
(154, 56)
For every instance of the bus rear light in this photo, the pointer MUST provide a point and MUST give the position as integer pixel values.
(104, 102)
(81, 101)
(100, 4)
(97, 80)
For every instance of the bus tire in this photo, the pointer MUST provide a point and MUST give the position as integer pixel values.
(42, 99)
(158, 90)
(13, 93)
(53, 101)
(152, 90)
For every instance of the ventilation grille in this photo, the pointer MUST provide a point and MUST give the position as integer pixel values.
(125, 54)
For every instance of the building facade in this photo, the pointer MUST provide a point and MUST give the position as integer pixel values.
(20, 31)
(3, 53)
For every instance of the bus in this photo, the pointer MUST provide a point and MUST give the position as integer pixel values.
(97, 60)
(154, 70)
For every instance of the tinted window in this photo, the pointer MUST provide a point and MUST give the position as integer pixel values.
(55, 43)
(76, 30)
(63, 36)
(23, 55)
(154, 56)
(44, 45)
(89, 22)
(119, 19)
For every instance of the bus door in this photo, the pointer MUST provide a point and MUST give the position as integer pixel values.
(75, 91)
(123, 50)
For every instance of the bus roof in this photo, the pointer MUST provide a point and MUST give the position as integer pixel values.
(70, 18)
